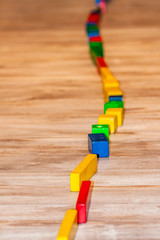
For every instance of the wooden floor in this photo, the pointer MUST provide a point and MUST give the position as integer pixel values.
(51, 94)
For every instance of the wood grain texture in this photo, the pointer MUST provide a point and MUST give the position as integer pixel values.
(51, 94)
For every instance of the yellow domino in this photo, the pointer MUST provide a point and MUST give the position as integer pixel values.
(109, 77)
(110, 83)
(68, 226)
(106, 97)
(83, 172)
(106, 74)
(119, 112)
(109, 119)
(104, 71)
(114, 91)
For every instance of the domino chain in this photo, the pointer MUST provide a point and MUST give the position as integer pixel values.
(98, 140)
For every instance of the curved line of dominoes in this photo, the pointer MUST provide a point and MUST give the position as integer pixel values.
(98, 140)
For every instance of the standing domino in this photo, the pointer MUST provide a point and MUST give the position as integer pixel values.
(118, 112)
(101, 128)
(113, 104)
(98, 143)
(111, 120)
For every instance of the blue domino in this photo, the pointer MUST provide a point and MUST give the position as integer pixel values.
(93, 34)
(98, 144)
(116, 98)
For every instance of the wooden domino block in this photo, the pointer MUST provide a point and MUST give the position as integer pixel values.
(118, 112)
(98, 46)
(110, 78)
(98, 144)
(92, 28)
(113, 104)
(95, 52)
(94, 18)
(100, 64)
(83, 201)
(96, 39)
(111, 120)
(110, 83)
(101, 128)
(105, 72)
(116, 98)
(106, 97)
(114, 91)
(93, 34)
(83, 172)
(107, 78)
(69, 225)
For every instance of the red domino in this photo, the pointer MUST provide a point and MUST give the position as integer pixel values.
(93, 18)
(101, 63)
(83, 201)
(95, 39)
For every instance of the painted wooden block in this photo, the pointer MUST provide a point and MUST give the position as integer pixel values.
(111, 120)
(83, 172)
(93, 33)
(115, 98)
(92, 28)
(110, 84)
(95, 52)
(113, 104)
(96, 39)
(119, 112)
(108, 78)
(83, 201)
(94, 18)
(101, 64)
(105, 72)
(98, 46)
(106, 97)
(101, 128)
(69, 225)
(98, 144)
(114, 91)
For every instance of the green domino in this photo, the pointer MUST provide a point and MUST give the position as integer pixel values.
(113, 104)
(95, 52)
(101, 128)
(98, 46)
(92, 28)
(94, 56)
